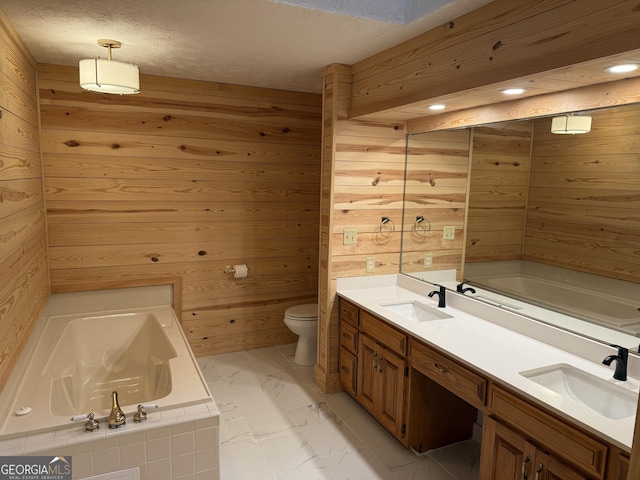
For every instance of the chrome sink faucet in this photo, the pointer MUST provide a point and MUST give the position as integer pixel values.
(621, 362)
(116, 418)
(441, 296)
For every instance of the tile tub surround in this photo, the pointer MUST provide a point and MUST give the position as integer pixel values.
(177, 444)
(501, 344)
(275, 424)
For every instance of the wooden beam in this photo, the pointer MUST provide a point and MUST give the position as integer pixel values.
(521, 38)
(603, 95)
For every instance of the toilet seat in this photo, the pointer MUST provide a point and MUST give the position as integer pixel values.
(308, 311)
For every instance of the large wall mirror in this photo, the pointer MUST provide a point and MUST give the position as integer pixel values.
(542, 219)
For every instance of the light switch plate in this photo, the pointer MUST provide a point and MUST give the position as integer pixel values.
(349, 236)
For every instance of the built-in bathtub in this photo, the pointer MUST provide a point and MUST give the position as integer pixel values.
(80, 359)
(605, 302)
(71, 365)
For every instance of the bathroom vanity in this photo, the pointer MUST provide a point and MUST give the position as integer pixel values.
(425, 376)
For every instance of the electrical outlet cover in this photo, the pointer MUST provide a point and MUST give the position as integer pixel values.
(371, 264)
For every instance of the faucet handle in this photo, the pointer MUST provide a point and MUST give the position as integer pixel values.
(141, 416)
(91, 425)
(622, 351)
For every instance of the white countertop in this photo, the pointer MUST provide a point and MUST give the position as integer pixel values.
(498, 352)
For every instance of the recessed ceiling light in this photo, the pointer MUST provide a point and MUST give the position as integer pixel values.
(622, 68)
(513, 91)
(437, 106)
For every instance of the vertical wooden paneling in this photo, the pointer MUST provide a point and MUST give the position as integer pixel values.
(436, 190)
(23, 247)
(584, 196)
(363, 178)
(179, 181)
(498, 191)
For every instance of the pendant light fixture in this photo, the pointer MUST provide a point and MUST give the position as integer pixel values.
(571, 125)
(108, 76)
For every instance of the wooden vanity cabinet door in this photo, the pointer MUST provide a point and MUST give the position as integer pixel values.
(367, 372)
(618, 464)
(391, 396)
(381, 384)
(546, 467)
(505, 455)
(348, 371)
(347, 356)
(564, 441)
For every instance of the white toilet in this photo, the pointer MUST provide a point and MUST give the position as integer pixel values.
(303, 321)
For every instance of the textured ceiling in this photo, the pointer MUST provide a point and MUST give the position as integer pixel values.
(247, 42)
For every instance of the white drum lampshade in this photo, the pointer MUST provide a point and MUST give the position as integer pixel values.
(571, 125)
(109, 76)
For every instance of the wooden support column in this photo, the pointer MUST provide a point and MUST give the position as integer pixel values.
(336, 95)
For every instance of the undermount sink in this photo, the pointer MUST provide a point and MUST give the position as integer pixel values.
(606, 398)
(415, 311)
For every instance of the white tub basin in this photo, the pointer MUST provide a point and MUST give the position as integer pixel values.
(415, 311)
(604, 397)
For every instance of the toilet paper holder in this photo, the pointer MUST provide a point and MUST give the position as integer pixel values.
(238, 271)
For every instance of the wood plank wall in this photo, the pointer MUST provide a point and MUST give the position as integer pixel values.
(23, 248)
(498, 191)
(179, 181)
(363, 181)
(498, 42)
(584, 198)
(436, 189)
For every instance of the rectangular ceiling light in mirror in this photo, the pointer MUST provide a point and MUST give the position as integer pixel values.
(571, 125)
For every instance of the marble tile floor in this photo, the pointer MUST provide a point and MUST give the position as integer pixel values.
(276, 424)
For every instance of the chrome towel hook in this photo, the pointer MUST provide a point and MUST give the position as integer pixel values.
(386, 227)
(421, 228)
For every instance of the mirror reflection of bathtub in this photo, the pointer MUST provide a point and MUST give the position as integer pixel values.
(566, 291)
(80, 359)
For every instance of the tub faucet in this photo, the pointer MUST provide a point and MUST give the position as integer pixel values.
(441, 296)
(621, 362)
(460, 289)
(116, 417)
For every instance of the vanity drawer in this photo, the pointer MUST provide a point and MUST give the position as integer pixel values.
(348, 371)
(349, 312)
(384, 334)
(466, 384)
(571, 445)
(349, 337)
